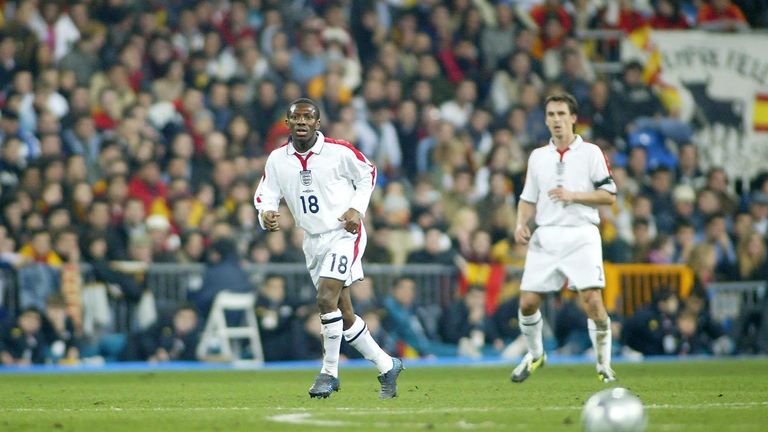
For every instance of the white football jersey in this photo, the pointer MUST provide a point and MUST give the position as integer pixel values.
(318, 187)
(582, 167)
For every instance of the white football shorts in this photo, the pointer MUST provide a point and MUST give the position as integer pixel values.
(557, 254)
(335, 254)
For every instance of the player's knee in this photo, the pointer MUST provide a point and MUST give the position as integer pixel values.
(326, 301)
(528, 309)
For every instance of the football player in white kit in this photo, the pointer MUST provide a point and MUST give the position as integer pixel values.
(565, 182)
(327, 185)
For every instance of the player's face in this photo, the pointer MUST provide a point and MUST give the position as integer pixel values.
(559, 120)
(303, 122)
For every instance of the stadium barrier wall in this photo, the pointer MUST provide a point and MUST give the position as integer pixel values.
(628, 286)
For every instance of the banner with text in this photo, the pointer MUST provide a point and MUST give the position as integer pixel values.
(719, 83)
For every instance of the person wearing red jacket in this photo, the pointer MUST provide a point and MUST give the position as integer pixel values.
(722, 15)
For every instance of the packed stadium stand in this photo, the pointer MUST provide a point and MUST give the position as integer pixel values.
(133, 135)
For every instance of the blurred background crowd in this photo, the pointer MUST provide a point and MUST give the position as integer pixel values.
(136, 132)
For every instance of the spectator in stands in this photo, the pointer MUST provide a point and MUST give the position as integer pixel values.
(717, 182)
(570, 327)
(709, 330)
(688, 171)
(703, 261)
(148, 187)
(404, 324)
(642, 240)
(172, 341)
(38, 275)
(275, 316)
(659, 191)
(634, 98)
(465, 324)
(691, 341)
(495, 40)
(684, 202)
(751, 257)
(662, 250)
(651, 330)
(122, 285)
(23, 343)
(223, 273)
(364, 297)
(599, 113)
(716, 234)
(758, 208)
(308, 341)
(667, 16)
(59, 332)
(721, 15)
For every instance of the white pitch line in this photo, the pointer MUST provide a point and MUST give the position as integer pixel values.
(368, 411)
(308, 419)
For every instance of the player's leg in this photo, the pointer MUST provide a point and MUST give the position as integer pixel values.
(531, 327)
(599, 326)
(584, 268)
(540, 276)
(328, 291)
(356, 334)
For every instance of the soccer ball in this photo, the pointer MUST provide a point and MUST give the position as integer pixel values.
(613, 410)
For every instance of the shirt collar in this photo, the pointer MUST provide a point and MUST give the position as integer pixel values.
(574, 145)
(316, 148)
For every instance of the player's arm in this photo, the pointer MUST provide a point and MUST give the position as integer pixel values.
(604, 192)
(594, 198)
(362, 172)
(525, 212)
(526, 207)
(267, 198)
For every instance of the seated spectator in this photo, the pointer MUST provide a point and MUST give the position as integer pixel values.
(275, 317)
(437, 250)
(712, 332)
(59, 332)
(403, 322)
(691, 340)
(364, 297)
(721, 15)
(751, 258)
(308, 341)
(667, 16)
(466, 324)
(174, 341)
(571, 328)
(38, 272)
(716, 234)
(651, 330)
(223, 273)
(23, 343)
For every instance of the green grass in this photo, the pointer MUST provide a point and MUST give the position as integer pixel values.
(680, 396)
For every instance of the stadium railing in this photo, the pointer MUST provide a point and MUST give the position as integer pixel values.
(171, 283)
(629, 286)
(730, 300)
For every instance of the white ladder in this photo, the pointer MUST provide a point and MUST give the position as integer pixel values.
(218, 334)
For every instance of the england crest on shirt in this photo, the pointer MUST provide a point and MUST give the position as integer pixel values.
(306, 177)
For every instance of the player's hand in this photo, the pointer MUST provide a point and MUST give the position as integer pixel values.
(522, 234)
(351, 220)
(560, 194)
(270, 218)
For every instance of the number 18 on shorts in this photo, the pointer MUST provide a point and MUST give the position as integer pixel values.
(335, 255)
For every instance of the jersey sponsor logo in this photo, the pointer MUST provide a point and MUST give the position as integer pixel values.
(306, 177)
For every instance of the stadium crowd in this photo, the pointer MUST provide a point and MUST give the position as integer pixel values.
(137, 131)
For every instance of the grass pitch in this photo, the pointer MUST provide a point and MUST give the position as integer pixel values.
(679, 396)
